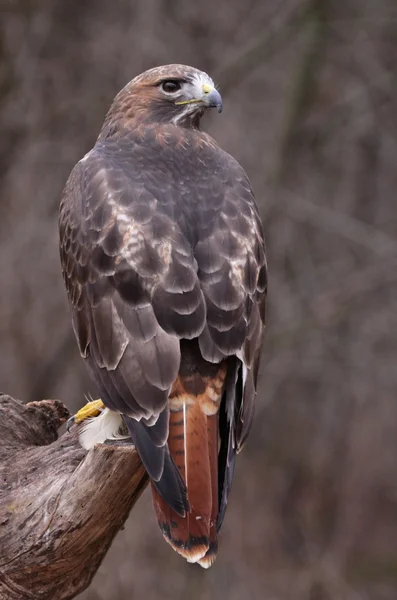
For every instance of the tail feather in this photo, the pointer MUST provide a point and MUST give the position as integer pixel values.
(209, 558)
(191, 440)
(193, 443)
(212, 427)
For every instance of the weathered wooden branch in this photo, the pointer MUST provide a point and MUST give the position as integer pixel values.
(60, 507)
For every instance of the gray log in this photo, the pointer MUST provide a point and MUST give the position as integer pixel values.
(60, 507)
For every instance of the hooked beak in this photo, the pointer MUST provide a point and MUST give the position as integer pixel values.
(211, 97)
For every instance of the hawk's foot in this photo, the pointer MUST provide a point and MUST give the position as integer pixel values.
(91, 409)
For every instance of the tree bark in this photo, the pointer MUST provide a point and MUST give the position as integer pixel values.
(60, 507)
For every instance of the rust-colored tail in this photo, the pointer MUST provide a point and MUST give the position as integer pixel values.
(193, 443)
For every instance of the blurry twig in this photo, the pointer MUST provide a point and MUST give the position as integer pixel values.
(314, 23)
(340, 224)
(52, 370)
(324, 578)
(259, 49)
(333, 303)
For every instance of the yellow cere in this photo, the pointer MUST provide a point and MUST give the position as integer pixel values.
(206, 87)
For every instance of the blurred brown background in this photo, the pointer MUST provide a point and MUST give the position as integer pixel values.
(310, 96)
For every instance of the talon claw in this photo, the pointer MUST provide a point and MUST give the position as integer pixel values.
(69, 423)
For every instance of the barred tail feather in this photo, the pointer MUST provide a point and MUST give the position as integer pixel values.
(193, 444)
(212, 427)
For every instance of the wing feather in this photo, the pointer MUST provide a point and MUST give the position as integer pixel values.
(154, 251)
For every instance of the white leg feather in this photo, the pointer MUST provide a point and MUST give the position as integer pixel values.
(97, 430)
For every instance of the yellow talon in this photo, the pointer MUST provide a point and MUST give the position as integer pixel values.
(91, 409)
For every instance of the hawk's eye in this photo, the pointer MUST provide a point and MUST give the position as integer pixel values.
(171, 86)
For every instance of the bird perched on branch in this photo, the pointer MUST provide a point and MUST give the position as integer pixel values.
(164, 264)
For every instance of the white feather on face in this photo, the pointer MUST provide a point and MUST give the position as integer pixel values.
(106, 426)
(191, 90)
(194, 88)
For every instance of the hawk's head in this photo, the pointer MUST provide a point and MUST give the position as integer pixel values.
(175, 94)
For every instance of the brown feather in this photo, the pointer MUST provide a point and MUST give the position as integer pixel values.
(213, 427)
(193, 444)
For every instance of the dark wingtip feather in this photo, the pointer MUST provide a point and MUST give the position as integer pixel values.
(172, 488)
(227, 450)
(161, 468)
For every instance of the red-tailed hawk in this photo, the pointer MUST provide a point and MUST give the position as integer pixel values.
(164, 264)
